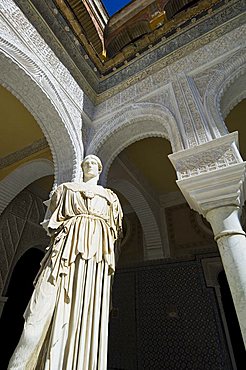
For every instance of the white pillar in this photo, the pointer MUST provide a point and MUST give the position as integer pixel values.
(212, 179)
(231, 241)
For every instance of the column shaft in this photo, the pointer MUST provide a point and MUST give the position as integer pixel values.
(232, 246)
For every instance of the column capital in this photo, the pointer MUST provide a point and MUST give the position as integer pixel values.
(211, 175)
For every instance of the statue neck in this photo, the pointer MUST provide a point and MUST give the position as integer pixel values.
(91, 181)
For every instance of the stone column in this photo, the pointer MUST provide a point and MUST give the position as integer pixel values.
(212, 179)
(232, 246)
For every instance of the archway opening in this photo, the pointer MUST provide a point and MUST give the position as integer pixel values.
(19, 292)
(235, 121)
(140, 174)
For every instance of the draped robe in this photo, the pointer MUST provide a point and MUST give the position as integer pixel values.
(66, 321)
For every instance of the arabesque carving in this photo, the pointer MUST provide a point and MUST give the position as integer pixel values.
(219, 83)
(40, 81)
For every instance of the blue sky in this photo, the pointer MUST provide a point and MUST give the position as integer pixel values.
(113, 6)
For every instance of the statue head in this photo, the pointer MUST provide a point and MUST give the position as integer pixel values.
(91, 166)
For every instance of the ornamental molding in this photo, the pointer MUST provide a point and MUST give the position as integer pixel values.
(229, 73)
(45, 114)
(135, 122)
(220, 188)
(208, 157)
(21, 177)
(35, 147)
(36, 77)
(211, 175)
(12, 19)
(153, 245)
(165, 71)
(138, 112)
(185, 59)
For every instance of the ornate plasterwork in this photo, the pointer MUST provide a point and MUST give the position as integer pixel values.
(135, 122)
(153, 244)
(20, 178)
(213, 155)
(231, 70)
(221, 40)
(211, 175)
(35, 147)
(34, 42)
(32, 72)
(211, 190)
(169, 51)
(181, 87)
(207, 57)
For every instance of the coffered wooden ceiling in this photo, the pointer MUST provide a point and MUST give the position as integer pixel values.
(110, 42)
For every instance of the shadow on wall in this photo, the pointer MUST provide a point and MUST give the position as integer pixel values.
(232, 322)
(19, 292)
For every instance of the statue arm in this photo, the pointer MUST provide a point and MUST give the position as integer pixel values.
(51, 204)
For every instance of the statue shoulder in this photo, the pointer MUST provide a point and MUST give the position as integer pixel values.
(111, 194)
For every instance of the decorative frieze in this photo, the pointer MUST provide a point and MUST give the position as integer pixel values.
(211, 156)
(231, 70)
(212, 175)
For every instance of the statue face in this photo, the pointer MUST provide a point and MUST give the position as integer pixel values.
(90, 168)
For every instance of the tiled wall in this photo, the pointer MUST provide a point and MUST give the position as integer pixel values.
(165, 317)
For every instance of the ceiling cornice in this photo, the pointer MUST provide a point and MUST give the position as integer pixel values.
(98, 87)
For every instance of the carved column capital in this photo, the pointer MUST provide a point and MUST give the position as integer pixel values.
(212, 174)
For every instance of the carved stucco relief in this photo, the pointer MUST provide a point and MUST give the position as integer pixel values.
(138, 121)
(216, 83)
(32, 72)
(213, 155)
(185, 100)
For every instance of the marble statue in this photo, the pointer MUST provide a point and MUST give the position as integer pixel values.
(66, 321)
